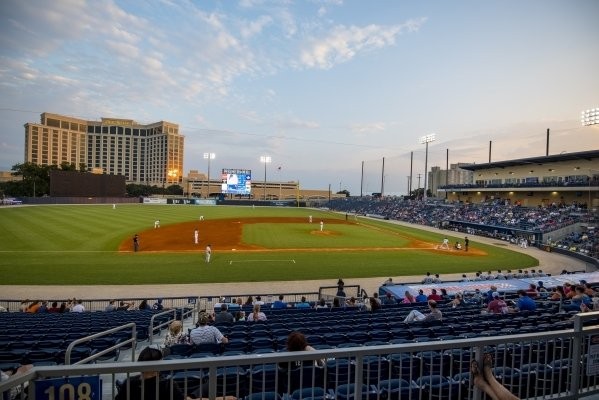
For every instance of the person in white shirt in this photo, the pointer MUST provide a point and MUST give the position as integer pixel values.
(78, 307)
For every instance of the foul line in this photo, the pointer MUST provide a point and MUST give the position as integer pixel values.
(247, 261)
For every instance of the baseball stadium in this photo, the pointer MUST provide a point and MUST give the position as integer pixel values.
(85, 255)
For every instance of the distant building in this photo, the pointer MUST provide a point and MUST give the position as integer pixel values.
(195, 184)
(149, 154)
(456, 175)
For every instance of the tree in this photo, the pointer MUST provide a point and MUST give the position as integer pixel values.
(82, 167)
(345, 192)
(35, 179)
(67, 166)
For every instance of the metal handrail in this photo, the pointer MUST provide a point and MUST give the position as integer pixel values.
(151, 328)
(133, 340)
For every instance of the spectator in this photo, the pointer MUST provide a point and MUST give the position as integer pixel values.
(388, 282)
(588, 290)
(149, 383)
(54, 308)
(487, 382)
(256, 314)
(337, 302)
(303, 303)
(78, 307)
(43, 307)
(205, 333)
(111, 306)
(240, 316)
(375, 304)
(224, 316)
(541, 287)
(428, 279)
(296, 341)
(158, 305)
(434, 315)
(14, 392)
(497, 305)
(557, 293)
(321, 304)
(376, 298)
(340, 288)
(389, 299)
(33, 307)
(24, 305)
(408, 297)
(434, 296)
(144, 305)
(421, 298)
(279, 304)
(489, 294)
(258, 301)
(444, 295)
(457, 301)
(351, 302)
(524, 302)
(532, 291)
(437, 279)
(175, 335)
(249, 301)
(124, 306)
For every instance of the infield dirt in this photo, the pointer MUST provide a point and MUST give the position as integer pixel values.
(226, 234)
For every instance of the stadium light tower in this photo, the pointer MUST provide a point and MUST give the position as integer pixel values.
(265, 160)
(209, 156)
(589, 117)
(426, 140)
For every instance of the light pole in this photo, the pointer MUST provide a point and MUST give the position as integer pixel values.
(265, 160)
(209, 156)
(589, 117)
(426, 140)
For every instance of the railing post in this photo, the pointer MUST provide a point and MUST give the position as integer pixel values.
(576, 355)
(212, 379)
(358, 375)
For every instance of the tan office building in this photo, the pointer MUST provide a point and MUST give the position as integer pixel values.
(149, 154)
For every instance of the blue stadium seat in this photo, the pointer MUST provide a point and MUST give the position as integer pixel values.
(397, 389)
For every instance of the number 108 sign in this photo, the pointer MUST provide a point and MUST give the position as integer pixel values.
(78, 388)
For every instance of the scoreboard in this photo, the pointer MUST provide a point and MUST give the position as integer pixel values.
(236, 181)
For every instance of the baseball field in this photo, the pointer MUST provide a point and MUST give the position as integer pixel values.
(92, 245)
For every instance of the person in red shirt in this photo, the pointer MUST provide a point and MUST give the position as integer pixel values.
(434, 296)
(497, 305)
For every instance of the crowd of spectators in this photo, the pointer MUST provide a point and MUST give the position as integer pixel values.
(490, 215)
(76, 305)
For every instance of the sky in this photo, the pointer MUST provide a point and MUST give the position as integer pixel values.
(321, 86)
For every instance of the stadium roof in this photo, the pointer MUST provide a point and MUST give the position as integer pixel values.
(582, 155)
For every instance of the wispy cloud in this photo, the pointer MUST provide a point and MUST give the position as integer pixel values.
(372, 127)
(344, 42)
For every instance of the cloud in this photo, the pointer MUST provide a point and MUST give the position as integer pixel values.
(252, 28)
(368, 128)
(344, 43)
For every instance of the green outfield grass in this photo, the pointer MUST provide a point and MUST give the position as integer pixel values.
(77, 245)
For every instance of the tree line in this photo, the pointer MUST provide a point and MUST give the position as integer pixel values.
(35, 182)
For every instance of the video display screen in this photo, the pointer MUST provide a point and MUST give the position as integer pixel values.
(236, 181)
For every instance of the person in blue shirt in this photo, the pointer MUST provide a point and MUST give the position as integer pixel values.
(303, 303)
(279, 303)
(525, 303)
(421, 298)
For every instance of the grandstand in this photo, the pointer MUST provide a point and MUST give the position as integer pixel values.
(542, 353)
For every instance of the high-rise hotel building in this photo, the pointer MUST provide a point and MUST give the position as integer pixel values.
(146, 154)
